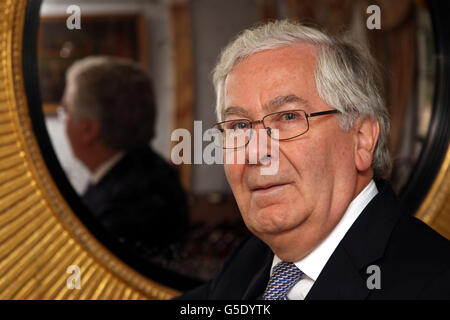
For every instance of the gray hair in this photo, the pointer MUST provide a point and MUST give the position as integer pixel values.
(347, 76)
(119, 95)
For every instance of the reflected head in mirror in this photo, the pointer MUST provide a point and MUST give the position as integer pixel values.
(110, 108)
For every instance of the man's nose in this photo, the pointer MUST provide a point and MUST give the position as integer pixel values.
(258, 150)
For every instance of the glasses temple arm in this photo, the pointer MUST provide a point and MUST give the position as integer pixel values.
(321, 113)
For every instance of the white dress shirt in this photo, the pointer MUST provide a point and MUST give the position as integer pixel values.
(312, 265)
(103, 169)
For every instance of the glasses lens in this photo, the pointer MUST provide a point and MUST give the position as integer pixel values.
(217, 136)
(234, 133)
(289, 123)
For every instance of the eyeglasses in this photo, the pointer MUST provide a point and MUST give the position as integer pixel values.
(290, 124)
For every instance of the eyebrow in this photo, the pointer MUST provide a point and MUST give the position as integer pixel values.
(279, 101)
(234, 110)
(272, 106)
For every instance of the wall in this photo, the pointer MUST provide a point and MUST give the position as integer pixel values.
(214, 24)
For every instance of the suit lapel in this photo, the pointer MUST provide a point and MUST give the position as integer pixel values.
(344, 276)
(259, 281)
(339, 280)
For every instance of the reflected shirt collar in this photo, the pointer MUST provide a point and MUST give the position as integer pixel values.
(103, 169)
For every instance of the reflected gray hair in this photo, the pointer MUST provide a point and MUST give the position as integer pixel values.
(118, 94)
(346, 75)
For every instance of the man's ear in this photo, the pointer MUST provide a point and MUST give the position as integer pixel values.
(90, 130)
(366, 135)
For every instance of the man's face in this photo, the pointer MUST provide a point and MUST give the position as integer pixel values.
(296, 208)
(79, 131)
(73, 127)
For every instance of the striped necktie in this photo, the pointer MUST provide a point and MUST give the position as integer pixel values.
(285, 275)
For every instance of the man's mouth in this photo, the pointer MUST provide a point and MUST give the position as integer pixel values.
(268, 187)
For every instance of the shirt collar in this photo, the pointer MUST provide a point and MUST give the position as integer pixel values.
(315, 261)
(103, 169)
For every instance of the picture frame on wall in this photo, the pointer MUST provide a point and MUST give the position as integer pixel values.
(122, 36)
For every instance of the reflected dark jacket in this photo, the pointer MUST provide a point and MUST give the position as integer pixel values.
(140, 200)
(414, 261)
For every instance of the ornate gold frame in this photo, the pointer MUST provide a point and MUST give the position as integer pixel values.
(40, 236)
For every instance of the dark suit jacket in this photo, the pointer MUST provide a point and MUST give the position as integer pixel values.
(140, 200)
(414, 261)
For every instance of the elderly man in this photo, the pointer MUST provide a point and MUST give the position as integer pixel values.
(133, 192)
(325, 225)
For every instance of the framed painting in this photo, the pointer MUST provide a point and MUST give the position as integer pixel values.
(121, 36)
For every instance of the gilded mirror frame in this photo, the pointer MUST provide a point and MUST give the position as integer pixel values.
(41, 236)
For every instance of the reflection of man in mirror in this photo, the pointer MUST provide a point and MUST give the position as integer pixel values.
(110, 121)
(325, 226)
